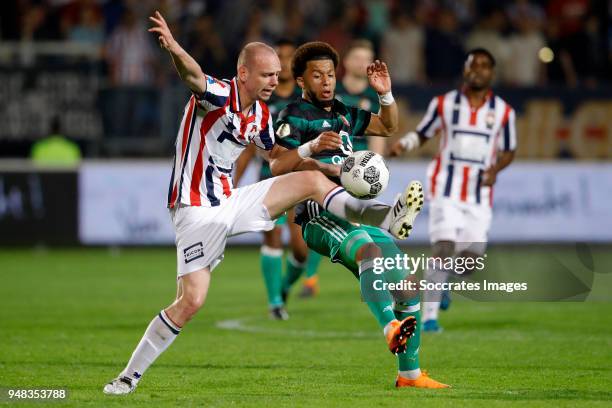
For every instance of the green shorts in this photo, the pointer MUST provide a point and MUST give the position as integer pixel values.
(340, 240)
(280, 221)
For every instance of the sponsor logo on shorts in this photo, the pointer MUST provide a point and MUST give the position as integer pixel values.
(193, 252)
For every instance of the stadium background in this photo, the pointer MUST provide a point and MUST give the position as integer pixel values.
(89, 71)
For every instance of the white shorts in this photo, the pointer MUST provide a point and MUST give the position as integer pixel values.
(465, 224)
(202, 232)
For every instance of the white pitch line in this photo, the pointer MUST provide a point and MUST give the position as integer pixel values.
(239, 325)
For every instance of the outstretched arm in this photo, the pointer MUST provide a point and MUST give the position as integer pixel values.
(386, 122)
(188, 69)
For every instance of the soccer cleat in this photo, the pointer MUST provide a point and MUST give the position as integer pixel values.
(424, 381)
(120, 386)
(432, 326)
(445, 301)
(279, 313)
(310, 288)
(399, 333)
(406, 208)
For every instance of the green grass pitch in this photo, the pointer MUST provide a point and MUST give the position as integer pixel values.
(71, 318)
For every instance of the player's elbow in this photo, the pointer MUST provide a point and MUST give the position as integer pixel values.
(389, 130)
(277, 167)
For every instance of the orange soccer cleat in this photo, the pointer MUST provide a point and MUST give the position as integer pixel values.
(424, 381)
(398, 335)
(310, 288)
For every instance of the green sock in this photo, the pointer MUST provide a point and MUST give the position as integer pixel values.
(272, 269)
(294, 270)
(409, 360)
(312, 264)
(379, 301)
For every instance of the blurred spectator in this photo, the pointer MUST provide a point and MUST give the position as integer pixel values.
(355, 89)
(488, 34)
(56, 149)
(444, 50)
(129, 53)
(377, 19)
(295, 28)
(569, 25)
(75, 12)
(522, 9)
(524, 66)
(88, 28)
(206, 47)
(341, 27)
(403, 49)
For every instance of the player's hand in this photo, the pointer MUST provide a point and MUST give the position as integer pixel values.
(396, 150)
(160, 27)
(489, 176)
(378, 76)
(326, 141)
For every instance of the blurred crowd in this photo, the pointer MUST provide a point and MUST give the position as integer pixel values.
(535, 42)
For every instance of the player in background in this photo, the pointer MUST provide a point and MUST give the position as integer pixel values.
(220, 119)
(354, 246)
(353, 90)
(271, 257)
(478, 141)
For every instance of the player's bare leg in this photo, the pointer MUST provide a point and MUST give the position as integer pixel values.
(290, 189)
(163, 329)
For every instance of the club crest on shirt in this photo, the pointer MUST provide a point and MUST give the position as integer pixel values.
(252, 131)
(283, 130)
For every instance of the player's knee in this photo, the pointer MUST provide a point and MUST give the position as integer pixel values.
(314, 180)
(192, 302)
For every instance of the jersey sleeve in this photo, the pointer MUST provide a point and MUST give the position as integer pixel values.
(361, 121)
(507, 140)
(432, 121)
(290, 129)
(265, 138)
(216, 94)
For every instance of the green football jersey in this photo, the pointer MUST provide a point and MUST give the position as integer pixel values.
(302, 121)
(275, 105)
(366, 100)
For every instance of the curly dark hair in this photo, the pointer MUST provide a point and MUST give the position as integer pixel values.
(312, 51)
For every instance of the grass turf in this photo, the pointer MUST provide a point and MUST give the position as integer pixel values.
(71, 318)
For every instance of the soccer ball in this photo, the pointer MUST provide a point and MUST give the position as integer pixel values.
(364, 174)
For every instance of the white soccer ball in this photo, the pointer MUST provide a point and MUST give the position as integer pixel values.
(364, 174)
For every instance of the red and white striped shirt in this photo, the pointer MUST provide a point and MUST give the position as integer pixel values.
(471, 138)
(213, 133)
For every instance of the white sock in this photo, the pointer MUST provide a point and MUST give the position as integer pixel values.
(410, 374)
(431, 298)
(158, 336)
(370, 212)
